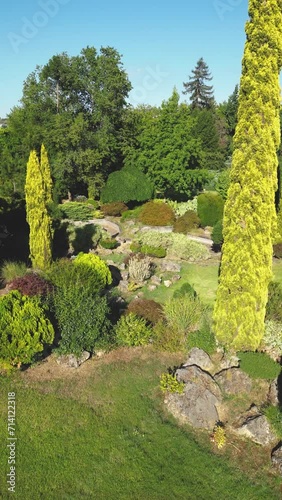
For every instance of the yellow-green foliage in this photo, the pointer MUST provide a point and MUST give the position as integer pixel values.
(46, 175)
(96, 264)
(38, 196)
(219, 436)
(24, 328)
(249, 215)
(169, 383)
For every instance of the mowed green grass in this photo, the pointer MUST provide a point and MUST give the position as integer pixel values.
(104, 434)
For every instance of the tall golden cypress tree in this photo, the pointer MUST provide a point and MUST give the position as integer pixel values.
(46, 175)
(249, 216)
(38, 195)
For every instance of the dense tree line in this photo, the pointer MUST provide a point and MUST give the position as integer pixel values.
(77, 106)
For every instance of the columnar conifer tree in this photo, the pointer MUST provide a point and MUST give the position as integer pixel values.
(38, 195)
(249, 217)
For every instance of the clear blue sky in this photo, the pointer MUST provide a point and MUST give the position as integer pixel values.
(160, 41)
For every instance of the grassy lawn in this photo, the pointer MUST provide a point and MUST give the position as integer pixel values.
(102, 433)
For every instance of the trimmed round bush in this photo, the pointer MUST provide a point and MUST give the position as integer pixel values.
(128, 184)
(156, 214)
(24, 328)
(148, 309)
(96, 266)
(259, 365)
(159, 252)
(132, 330)
(114, 209)
(186, 222)
(185, 289)
(210, 208)
(108, 244)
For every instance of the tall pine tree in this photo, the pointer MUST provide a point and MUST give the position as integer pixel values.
(201, 94)
(38, 188)
(250, 217)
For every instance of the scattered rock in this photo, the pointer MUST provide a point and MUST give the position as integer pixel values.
(198, 404)
(170, 266)
(257, 429)
(273, 393)
(72, 361)
(167, 283)
(123, 286)
(199, 358)
(276, 457)
(100, 354)
(151, 288)
(124, 275)
(122, 266)
(234, 381)
(176, 277)
(155, 280)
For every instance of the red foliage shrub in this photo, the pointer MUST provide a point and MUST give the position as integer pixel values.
(115, 208)
(150, 310)
(31, 284)
(186, 222)
(156, 214)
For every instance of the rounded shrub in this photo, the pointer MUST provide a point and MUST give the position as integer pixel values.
(159, 252)
(76, 211)
(128, 184)
(186, 222)
(210, 208)
(108, 243)
(259, 365)
(156, 214)
(31, 284)
(95, 266)
(185, 289)
(148, 309)
(132, 330)
(114, 209)
(24, 328)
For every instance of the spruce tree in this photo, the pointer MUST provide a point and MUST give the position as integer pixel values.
(38, 195)
(201, 93)
(249, 216)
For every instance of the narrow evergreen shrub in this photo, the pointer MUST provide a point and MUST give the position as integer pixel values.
(31, 284)
(76, 211)
(132, 330)
(156, 214)
(259, 365)
(114, 209)
(210, 208)
(274, 303)
(11, 270)
(217, 236)
(24, 328)
(148, 309)
(186, 222)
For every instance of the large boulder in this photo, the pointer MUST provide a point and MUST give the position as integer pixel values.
(199, 358)
(258, 430)
(276, 457)
(234, 381)
(72, 361)
(199, 403)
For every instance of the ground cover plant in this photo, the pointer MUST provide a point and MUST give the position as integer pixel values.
(117, 442)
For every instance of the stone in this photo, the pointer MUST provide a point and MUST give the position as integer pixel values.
(229, 362)
(151, 288)
(276, 457)
(273, 393)
(124, 275)
(123, 286)
(233, 381)
(167, 283)
(258, 430)
(198, 405)
(72, 361)
(199, 358)
(122, 266)
(176, 277)
(170, 266)
(155, 280)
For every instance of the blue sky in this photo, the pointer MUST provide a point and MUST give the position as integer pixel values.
(160, 41)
